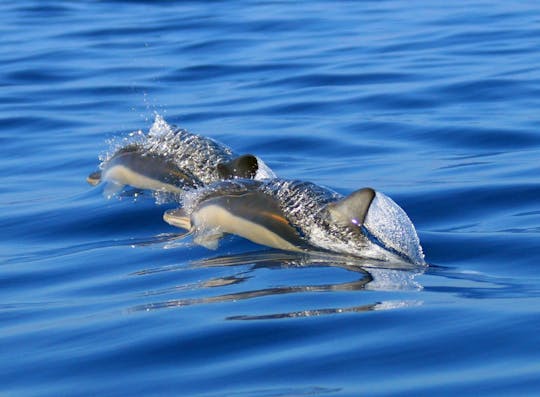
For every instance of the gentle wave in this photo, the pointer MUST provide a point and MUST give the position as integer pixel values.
(433, 104)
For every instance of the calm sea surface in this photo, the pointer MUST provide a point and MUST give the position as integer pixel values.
(434, 103)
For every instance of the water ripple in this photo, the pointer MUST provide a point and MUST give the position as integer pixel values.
(434, 103)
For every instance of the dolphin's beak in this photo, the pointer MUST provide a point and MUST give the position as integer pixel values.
(178, 218)
(390, 227)
(94, 178)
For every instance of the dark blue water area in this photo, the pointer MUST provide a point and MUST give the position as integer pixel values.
(433, 103)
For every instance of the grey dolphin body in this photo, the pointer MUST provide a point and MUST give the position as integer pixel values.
(132, 166)
(174, 160)
(293, 215)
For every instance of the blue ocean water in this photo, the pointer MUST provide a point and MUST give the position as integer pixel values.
(433, 103)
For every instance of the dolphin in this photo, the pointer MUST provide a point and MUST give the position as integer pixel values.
(173, 160)
(297, 216)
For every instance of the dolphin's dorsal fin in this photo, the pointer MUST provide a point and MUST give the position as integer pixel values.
(244, 166)
(353, 208)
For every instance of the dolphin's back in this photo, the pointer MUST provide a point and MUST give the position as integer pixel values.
(191, 152)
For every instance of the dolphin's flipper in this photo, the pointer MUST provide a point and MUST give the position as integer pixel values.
(94, 178)
(208, 239)
(353, 208)
(112, 189)
(184, 235)
(244, 166)
(206, 236)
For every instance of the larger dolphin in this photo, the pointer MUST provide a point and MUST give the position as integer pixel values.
(295, 215)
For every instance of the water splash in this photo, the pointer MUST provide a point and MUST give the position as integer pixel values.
(389, 224)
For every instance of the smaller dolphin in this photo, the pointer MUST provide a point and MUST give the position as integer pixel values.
(171, 159)
(132, 166)
(295, 216)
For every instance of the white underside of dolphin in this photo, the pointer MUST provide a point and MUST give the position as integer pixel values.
(119, 175)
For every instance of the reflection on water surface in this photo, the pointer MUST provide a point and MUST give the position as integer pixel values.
(366, 274)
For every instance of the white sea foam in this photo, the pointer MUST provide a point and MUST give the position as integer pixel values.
(160, 127)
(391, 305)
(390, 280)
(263, 171)
(392, 227)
